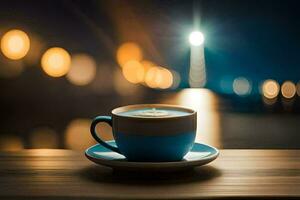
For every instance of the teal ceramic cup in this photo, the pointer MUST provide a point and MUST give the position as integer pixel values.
(150, 132)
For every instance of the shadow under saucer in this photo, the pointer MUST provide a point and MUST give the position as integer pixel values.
(106, 175)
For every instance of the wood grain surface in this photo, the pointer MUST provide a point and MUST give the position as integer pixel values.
(64, 174)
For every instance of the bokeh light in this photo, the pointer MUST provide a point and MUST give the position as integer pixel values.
(44, 138)
(196, 38)
(82, 70)
(15, 44)
(288, 89)
(77, 135)
(270, 89)
(153, 77)
(56, 62)
(10, 142)
(129, 51)
(147, 65)
(159, 77)
(133, 71)
(167, 79)
(241, 86)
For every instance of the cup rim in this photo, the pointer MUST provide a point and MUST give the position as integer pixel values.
(116, 111)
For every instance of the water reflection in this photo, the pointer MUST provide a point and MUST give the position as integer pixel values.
(205, 102)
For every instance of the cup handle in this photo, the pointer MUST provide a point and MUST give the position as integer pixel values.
(106, 119)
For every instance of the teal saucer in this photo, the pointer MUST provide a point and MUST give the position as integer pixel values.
(200, 154)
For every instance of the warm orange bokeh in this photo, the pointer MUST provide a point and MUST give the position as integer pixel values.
(15, 44)
(133, 71)
(129, 52)
(167, 79)
(56, 62)
(158, 77)
(288, 89)
(270, 89)
(152, 77)
(83, 70)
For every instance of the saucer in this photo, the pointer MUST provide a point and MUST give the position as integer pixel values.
(199, 155)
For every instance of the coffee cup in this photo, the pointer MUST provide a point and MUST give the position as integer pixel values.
(150, 132)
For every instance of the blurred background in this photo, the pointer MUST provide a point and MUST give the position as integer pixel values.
(64, 62)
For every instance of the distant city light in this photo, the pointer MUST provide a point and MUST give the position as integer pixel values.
(196, 38)
(167, 79)
(82, 70)
(56, 62)
(129, 51)
(133, 71)
(15, 44)
(270, 89)
(241, 86)
(147, 65)
(288, 89)
(152, 78)
(159, 77)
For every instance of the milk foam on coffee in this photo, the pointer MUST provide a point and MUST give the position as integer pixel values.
(154, 113)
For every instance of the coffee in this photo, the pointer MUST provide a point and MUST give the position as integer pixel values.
(154, 113)
(150, 132)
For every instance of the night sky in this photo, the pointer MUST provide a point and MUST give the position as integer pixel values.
(254, 39)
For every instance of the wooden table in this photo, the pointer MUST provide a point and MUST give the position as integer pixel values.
(64, 174)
